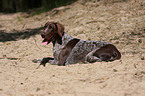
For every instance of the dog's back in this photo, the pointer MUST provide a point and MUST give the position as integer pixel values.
(81, 50)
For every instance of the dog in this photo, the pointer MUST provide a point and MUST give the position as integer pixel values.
(68, 50)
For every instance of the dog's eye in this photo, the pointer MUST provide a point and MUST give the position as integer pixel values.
(50, 27)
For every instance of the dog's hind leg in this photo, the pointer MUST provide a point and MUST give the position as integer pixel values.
(91, 59)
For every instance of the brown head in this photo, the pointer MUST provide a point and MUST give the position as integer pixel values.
(52, 31)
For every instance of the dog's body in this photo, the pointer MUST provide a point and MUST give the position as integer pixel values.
(68, 50)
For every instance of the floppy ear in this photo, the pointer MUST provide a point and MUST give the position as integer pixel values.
(60, 29)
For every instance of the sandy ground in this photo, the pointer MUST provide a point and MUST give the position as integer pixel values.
(116, 21)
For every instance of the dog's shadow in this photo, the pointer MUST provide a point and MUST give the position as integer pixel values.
(17, 35)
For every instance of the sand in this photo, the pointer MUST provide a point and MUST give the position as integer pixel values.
(116, 21)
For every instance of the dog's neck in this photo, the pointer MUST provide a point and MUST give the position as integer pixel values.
(59, 44)
(66, 38)
(62, 40)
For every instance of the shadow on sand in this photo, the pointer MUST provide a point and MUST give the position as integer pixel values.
(17, 35)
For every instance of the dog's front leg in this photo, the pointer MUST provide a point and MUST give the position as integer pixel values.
(43, 61)
(46, 60)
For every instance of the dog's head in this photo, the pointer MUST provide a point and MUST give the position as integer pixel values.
(52, 31)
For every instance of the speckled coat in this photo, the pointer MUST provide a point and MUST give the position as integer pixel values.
(68, 50)
(81, 52)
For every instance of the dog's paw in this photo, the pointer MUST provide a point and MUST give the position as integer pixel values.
(37, 60)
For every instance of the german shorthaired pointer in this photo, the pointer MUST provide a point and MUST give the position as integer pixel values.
(68, 50)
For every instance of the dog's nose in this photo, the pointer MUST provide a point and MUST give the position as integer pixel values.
(42, 35)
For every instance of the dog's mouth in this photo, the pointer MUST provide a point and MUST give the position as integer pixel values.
(45, 41)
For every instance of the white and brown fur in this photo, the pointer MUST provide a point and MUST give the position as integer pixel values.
(68, 50)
